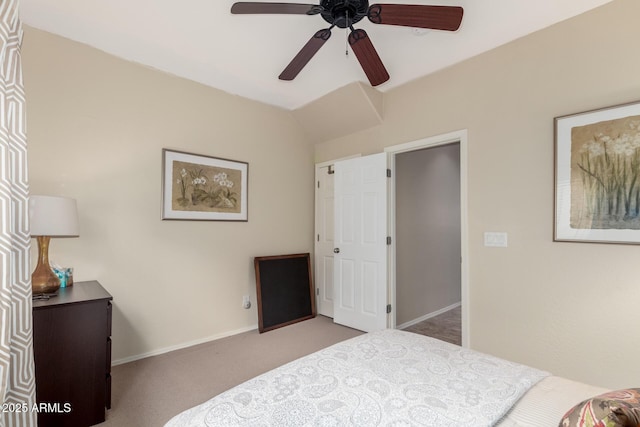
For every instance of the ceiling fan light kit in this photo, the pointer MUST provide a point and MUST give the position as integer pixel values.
(346, 13)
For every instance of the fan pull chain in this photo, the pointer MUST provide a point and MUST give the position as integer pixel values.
(346, 34)
(346, 43)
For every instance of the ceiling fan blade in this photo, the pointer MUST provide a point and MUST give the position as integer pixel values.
(413, 15)
(280, 8)
(306, 53)
(368, 57)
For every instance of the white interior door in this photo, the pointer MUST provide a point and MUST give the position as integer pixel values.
(324, 240)
(360, 258)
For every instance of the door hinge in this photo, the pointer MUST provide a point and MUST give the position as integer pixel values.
(318, 291)
(388, 240)
(318, 237)
(318, 184)
(388, 173)
(388, 308)
(330, 171)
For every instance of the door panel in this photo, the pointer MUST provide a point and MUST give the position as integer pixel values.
(346, 298)
(327, 265)
(324, 263)
(369, 294)
(360, 274)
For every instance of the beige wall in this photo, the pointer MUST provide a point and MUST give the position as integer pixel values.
(571, 308)
(96, 128)
(427, 231)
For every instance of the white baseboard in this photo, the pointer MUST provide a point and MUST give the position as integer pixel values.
(183, 345)
(428, 316)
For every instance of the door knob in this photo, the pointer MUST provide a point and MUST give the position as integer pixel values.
(336, 250)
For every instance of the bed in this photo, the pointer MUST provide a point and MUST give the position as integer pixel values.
(393, 378)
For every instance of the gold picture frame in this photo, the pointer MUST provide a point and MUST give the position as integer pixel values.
(203, 188)
(597, 176)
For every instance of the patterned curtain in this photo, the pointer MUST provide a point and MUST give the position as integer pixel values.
(17, 381)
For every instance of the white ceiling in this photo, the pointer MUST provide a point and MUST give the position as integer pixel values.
(244, 54)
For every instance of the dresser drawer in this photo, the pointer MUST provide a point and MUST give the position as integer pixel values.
(109, 310)
(72, 354)
(108, 402)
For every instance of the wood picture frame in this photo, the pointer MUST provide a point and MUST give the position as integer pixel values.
(597, 176)
(203, 188)
(284, 290)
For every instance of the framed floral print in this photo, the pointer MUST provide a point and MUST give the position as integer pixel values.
(198, 187)
(597, 176)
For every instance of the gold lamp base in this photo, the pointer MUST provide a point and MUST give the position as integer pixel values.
(43, 279)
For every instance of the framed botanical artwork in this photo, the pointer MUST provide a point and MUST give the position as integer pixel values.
(597, 176)
(197, 187)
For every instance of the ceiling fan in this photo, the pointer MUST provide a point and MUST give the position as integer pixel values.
(345, 13)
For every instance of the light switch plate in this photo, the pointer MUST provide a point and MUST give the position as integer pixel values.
(495, 239)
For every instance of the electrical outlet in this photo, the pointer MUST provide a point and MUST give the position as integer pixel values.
(246, 302)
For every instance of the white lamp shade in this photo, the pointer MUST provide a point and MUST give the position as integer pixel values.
(53, 216)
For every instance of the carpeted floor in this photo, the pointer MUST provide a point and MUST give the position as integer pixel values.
(150, 391)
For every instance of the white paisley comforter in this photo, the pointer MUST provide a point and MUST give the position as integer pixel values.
(385, 378)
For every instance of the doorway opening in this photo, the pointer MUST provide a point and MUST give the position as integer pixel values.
(428, 280)
(428, 291)
(327, 248)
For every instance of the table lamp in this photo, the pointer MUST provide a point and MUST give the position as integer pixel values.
(50, 217)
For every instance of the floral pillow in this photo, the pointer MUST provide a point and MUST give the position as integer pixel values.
(620, 408)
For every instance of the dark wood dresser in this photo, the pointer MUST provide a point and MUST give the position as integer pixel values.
(72, 349)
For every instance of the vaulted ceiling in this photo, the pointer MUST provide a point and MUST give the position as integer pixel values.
(243, 54)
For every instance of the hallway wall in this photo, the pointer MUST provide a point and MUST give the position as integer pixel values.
(427, 231)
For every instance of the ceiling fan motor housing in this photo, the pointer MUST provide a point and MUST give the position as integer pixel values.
(344, 13)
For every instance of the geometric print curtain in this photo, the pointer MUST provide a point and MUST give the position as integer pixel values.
(17, 380)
